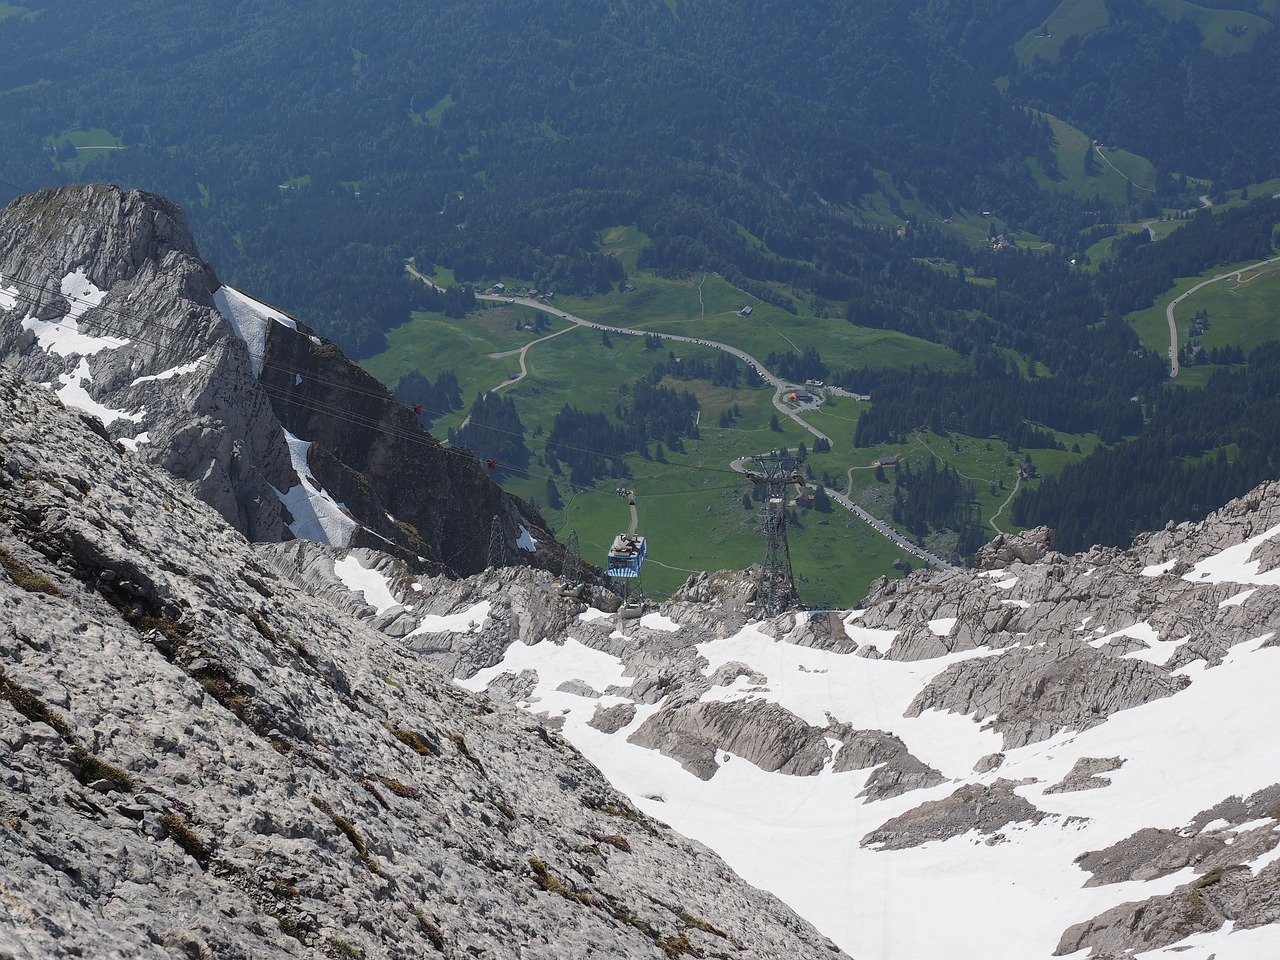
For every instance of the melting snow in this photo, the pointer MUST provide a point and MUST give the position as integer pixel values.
(316, 515)
(1225, 944)
(172, 372)
(556, 663)
(372, 584)
(249, 318)
(1156, 569)
(1233, 565)
(656, 621)
(8, 296)
(468, 621)
(799, 837)
(591, 613)
(62, 336)
(73, 394)
(942, 626)
(526, 542)
(1239, 599)
(132, 443)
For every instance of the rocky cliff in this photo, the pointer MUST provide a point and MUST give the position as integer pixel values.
(104, 298)
(201, 758)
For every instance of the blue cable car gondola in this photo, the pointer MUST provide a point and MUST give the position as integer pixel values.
(626, 555)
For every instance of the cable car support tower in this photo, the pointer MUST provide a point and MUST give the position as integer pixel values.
(776, 589)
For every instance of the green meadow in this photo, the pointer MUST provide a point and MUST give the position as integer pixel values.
(691, 507)
(1244, 311)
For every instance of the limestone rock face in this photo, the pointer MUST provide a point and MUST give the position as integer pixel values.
(1086, 775)
(104, 297)
(984, 808)
(766, 734)
(1232, 895)
(201, 758)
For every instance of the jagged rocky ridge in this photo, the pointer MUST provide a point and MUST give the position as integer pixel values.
(104, 297)
(200, 758)
(1008, 731)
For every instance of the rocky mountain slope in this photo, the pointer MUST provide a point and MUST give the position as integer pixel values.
(200, 758)
(1049, 756)
(104, 297)
(214, 748)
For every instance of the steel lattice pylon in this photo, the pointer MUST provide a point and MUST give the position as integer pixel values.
(776, 590)
(571, 573)
(571, 584)
(497, 544)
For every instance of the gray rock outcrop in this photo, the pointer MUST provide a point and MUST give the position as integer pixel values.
(981, 807)
(110, 304)
(772, 738)
(202, 759)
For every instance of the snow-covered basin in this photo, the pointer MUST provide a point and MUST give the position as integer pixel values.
(799, 837)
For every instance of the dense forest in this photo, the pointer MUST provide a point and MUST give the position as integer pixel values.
(494, 431)
(1200, 449)
(929, 499)
(315, 154)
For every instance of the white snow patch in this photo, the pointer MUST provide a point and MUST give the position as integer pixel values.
(8, 296)
(132, 443)
(1156, 569)
(1215, 825)
(870, 635)
(820, 686)
(591, 613)
(360, 579)
(526, 542)
(469, 620)
(316, 515)
(1007, 584)
(943, 626)
(1021, 604)
(1233, 565)
(73, 394)
(556, 663)
(1138, 631)
(1227, 943)
(1239, 599)
(297, 379)
(172, 372)
(82, 293)
(249, 319)
(656, 621)
(62, 336)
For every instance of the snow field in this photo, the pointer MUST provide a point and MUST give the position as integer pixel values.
(799, 837)
(317, 516)
(249, 319)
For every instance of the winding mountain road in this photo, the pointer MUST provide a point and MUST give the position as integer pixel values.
(779, 385)
(1168, 312)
